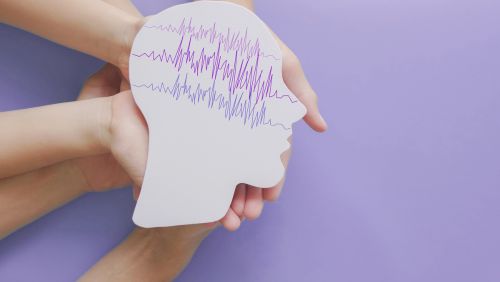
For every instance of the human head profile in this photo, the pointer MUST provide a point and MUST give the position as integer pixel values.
(207, 78)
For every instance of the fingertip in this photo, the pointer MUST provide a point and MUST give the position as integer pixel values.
(271, 194)
(323, 125)
(254, 211)
(238, 203)
(231, 221)
(254, 203)
(316, 122)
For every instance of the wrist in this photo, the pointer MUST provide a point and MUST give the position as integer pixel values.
(131, 28)
(171, 249)
(99, 129)
(155, 257)
(184, 236)
(53, 133)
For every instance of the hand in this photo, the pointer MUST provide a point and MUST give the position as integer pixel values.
(248, 201)
(102, 172)
(127, 160)
(296, 81)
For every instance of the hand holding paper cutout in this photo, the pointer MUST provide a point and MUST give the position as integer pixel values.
(297, 82)
(217, 108)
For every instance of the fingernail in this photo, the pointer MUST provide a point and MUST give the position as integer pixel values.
(323, 121)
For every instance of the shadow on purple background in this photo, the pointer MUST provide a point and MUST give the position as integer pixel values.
(404, 187)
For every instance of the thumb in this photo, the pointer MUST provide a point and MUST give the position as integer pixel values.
(295, 79)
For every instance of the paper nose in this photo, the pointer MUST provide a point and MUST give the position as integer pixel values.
(296, 109)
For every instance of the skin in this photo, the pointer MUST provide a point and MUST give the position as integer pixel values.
(90, 145)
(107, 38)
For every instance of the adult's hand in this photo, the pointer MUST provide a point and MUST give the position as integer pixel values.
(93, 27)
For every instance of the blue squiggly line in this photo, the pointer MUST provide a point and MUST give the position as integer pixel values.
(233, 106)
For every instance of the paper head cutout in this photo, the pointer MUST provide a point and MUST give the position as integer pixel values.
(207, 78)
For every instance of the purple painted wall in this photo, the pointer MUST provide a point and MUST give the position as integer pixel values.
(404, 187)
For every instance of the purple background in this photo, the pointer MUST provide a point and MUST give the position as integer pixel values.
(404, 187)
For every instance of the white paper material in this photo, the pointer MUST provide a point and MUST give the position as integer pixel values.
(207, 77)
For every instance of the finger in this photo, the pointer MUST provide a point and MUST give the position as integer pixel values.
(124, 84)
(254, 203)
(136, 190)
(106, 73)
(238, 203)
(105, 82)
(272, 194)
(231, 221)
(295, 79)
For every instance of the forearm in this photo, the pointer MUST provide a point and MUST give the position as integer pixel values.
(157, 254)
(37, 137)
(93, 27)
(26, 197)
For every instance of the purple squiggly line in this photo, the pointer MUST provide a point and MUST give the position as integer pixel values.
(240, 74)
(232, 41)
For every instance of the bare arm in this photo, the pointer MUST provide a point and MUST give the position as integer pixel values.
(93, 27)
(36, 137)
(25, 198)
(141, 249)
(28, 196)
(157, 254)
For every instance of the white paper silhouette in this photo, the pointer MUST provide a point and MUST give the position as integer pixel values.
(207, 77)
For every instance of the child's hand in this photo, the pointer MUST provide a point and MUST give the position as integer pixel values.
(126, 135)
(127, 140)
(102, 172)
(248, 200)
